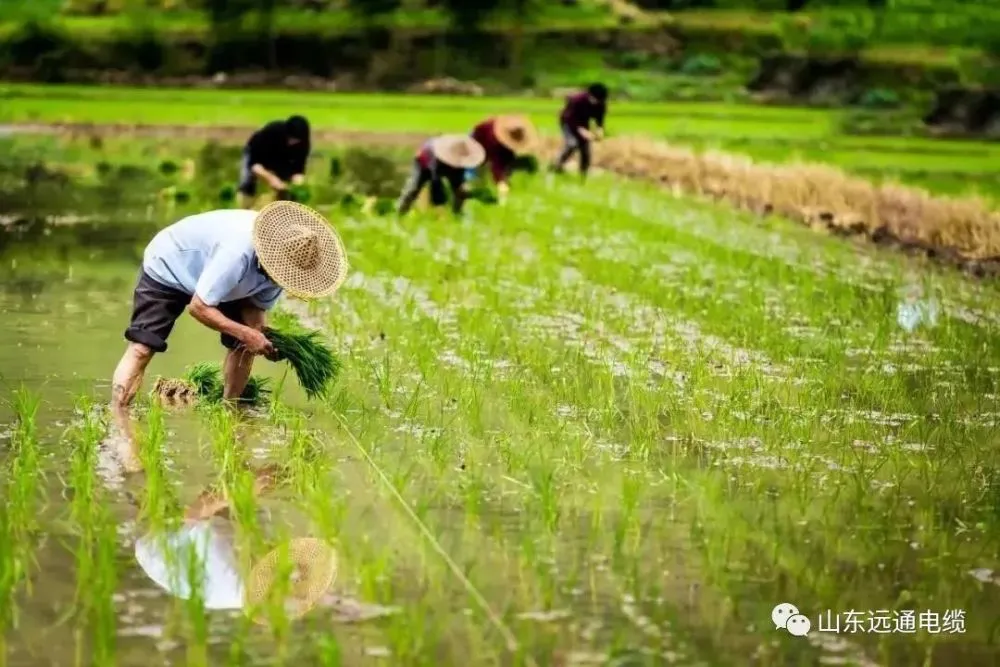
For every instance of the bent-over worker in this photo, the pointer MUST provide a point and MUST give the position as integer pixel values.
(504, 138)
(444, 158)
(276, 153)
(226, 268)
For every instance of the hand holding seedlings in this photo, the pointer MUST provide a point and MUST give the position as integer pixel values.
(257, 343)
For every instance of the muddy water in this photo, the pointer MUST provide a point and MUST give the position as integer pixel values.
(65, 306)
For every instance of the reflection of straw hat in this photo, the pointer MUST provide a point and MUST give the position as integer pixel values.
(516, 133)
(313, 569)
(299, 250)
(458, 150)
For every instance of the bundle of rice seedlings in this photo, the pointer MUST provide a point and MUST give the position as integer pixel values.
(314, 364)
(483, 194)
(207, 380)
(296, 193)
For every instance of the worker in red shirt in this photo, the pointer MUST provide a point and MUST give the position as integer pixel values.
(443, 158)
(580, 109)
(504, 138)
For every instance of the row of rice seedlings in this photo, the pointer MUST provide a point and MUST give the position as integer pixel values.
(160, 505)
(403, 479)
(240, 485)
(728, 423)
(19, 511)
(96, 572)
(411, 636)
(548, 511)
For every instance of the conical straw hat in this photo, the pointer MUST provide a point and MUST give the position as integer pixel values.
(458, 150)
(314, 568)
(516, 133)
(299, 250)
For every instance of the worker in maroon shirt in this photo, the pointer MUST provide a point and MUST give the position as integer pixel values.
(574, 121)
(504, 138)
(443, 158)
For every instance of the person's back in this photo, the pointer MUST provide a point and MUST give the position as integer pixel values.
(269, 148)
(178, 254)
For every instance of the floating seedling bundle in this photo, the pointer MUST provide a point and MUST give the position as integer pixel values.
(314, 364)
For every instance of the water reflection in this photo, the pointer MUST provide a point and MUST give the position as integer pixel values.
(201, 558)
(209, 542)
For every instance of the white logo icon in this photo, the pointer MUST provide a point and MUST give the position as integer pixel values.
(786, 616)
(798, 625)
(781, 613)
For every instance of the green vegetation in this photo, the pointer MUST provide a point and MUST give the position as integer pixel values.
(207, 380)
(612, 424)
(766, 133)
(315, 365)
(910, 47)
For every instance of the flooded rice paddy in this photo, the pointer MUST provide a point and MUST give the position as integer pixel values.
(599, 426)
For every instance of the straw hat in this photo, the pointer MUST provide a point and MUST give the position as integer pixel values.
(314, 567)
(299, 250)
(516, 133)
(458, 150)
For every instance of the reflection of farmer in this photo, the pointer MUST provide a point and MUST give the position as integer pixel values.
(504, 138)
(574, 121)
(276, 153)
(445, 158)
(226, 268)
(201, 555)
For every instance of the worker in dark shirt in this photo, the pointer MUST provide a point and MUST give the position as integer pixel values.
(580, 109)
(444, 158)
(276, 153)
(504, 138)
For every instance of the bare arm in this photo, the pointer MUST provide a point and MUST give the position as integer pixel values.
(213, 318)
(268, 176)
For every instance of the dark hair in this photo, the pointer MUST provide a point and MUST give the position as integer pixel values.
(298, 128)
(598, 90)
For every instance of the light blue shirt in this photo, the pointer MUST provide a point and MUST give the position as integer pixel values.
(211, 255)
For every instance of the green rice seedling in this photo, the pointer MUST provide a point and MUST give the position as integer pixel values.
(168, 167)
(160, 505)
(314, 363)
(384, 206)
(227, 194)
(483, 194)
(19, 511)
(96, 572)
(207, 379)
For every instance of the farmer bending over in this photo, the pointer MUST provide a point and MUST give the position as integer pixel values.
(504, 138)
(226, 268)
(444, 158)
(276, 153)
(574, 121)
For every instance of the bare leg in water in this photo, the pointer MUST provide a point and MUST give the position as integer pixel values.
(238, 363)
(124, 386)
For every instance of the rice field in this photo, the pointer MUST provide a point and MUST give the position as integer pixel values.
(763, 132)
(597, 426)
